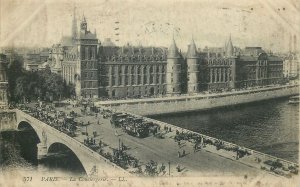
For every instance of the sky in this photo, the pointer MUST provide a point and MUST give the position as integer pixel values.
(266, 23)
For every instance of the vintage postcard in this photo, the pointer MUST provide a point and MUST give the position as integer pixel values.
(149, 93)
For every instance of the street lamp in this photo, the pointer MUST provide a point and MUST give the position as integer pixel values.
(169, 167)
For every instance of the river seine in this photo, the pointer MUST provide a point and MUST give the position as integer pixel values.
(271, 126)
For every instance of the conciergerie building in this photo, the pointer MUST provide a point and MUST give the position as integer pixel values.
(101, 71)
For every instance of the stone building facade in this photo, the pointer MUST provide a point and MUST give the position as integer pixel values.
(291, 66)
(132, 71)
(108, 71)
(3, 82)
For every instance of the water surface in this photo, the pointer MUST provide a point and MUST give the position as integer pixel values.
(271, 126)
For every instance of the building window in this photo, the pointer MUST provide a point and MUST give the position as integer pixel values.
(86, 53)
(145, 76)
(163, 78)
(126, 79)
(93, 52)
(132, 79)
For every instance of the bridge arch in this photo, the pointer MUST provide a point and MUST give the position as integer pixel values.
(70, 159)
(28, 139)
(24, 125)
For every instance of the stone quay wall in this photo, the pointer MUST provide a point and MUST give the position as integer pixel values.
(155, 106)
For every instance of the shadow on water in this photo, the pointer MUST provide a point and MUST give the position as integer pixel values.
(270, 126)
(60, 157)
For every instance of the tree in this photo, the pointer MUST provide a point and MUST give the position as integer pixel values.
(32, 85)
(21, 89)
(14, 71)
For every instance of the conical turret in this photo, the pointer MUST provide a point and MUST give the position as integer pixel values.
(173, 50)
(193, 68)
(174, 66)
(192, 50)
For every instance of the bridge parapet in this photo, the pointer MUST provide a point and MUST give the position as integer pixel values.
(89, 158)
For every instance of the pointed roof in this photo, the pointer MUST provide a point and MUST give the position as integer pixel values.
(173, 50)
(229, 48)
(83, 19)
(192, 50)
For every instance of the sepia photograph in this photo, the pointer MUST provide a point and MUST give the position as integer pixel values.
(149, 93)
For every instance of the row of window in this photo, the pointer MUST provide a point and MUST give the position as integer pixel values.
(137, 80)
(68, 74)
(135, 58)
(138, 69)
(89, 65)
(89, 84)
(88, 52)
(219, 62)
(90, 75)
(220, 77)
(262, 62)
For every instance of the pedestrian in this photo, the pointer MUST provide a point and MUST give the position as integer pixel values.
(178, 168)
(183, 153)
(170, 130)
(100, 143)
(195, 148)
(178, 154)
(178, 143)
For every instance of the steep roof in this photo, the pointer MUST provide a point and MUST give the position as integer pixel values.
(252, 51)
(229, 47)
(192, 50)
(248, 58)
(274, 58)
(129, 51)
(173, 50)
(87, 35)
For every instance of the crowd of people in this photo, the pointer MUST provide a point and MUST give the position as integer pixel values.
(48, 115)
(68, 124)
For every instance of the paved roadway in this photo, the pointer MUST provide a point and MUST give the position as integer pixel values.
(201, 163)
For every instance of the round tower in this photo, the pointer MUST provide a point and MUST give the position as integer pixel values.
(173, 76)
(193, 69)
(3, 82)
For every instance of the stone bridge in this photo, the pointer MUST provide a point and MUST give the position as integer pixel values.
(92, 162)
